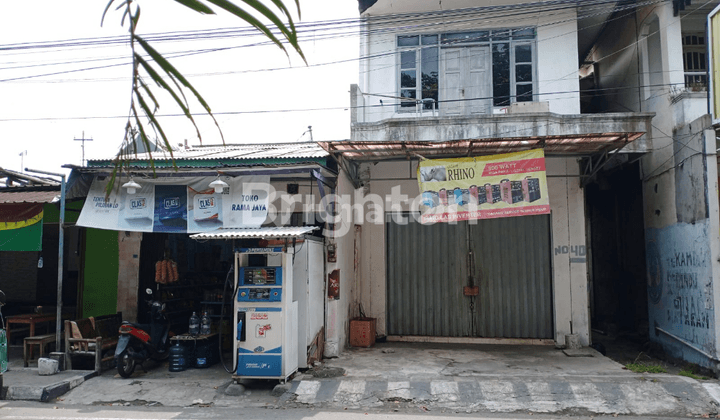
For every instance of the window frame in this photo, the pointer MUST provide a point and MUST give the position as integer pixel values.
(417, 49)
(493, 36)
(701, 49)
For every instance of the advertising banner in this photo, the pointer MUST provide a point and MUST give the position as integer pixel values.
(21, 226)
(178, 205)
(483, 187)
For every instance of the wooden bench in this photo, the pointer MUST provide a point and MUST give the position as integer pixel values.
(39, 340)
(92, 336)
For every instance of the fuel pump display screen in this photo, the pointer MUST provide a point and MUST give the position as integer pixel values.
(258, 293)
(259, 275)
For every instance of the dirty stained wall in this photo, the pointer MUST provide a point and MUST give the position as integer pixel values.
(128, 274)
(570, 294)
(682, 256)
(338, 311)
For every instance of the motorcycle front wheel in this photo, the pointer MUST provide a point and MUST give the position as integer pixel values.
(126, 365)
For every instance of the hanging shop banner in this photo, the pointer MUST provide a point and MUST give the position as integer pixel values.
(21, 226)
(483, 187)
(178, 205)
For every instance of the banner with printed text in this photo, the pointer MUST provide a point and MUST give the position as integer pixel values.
(483, 187)
(177, 205)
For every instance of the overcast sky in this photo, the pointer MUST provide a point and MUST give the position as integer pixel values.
(87, 89)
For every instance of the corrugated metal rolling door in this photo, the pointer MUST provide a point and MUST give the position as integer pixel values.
(427, 269)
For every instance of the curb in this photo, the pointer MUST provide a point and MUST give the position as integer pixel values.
(44, 393)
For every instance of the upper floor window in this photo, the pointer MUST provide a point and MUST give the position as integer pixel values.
(418, 69)
(694, 61)
(467, 72)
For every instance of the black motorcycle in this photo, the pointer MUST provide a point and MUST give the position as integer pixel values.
(140, 342)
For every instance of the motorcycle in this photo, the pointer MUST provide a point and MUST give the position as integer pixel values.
(141, 342)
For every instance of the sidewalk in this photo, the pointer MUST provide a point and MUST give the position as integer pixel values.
(24, 383)
(495, 378)
(429, 377)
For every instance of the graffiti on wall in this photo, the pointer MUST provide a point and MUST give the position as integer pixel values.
(680, 283)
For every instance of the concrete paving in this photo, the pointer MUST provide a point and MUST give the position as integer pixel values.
(398, 376)
(25, 383)
(496, 378)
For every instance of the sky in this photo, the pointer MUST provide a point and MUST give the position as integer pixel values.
(51, 96)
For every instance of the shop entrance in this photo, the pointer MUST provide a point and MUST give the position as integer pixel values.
(432, 271)
(619, 296)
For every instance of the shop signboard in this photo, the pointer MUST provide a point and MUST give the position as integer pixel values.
(177, 205)
(483, 187)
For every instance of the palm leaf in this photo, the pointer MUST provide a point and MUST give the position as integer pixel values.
(143, 137)
(173, 72)
(196, 6)
(162, 83)
(252, 20)
(147, 90)
(156, 125)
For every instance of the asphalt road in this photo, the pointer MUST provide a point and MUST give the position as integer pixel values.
(19, 410)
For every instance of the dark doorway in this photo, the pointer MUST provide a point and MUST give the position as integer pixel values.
(617, 241)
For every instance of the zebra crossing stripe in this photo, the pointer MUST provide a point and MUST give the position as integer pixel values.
(445, 391)
(541, 397)
(504, 396)
(399, 390)
(499, 396)
(306, 391)
(650, 398)
(350, 392)
(713, 390)
(588, 396)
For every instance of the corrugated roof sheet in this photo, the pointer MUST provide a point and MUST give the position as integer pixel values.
(554, 145)
(309, 150)
(253, 233)
(28, 196)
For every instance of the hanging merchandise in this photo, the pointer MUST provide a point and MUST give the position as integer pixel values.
(166, 271)
(174, 275)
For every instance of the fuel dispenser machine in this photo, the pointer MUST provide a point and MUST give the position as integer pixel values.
(265, 314)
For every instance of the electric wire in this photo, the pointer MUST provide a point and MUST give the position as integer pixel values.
(173, 36)
(323, 109)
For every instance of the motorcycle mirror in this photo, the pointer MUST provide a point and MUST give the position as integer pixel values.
(148, 291)
(2, 298)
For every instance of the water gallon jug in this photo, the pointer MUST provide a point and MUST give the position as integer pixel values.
(202, 356)
(194, 327)
(205, 324)
(177, 358)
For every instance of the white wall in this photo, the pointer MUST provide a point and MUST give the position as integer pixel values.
(557, 62)
(568, 229)
(338, 311)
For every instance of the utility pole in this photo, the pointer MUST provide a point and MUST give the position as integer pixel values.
(22, 158)
(83, 140)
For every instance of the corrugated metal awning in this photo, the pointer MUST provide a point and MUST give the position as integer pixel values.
(257, 233)
(580, 145)
(7, 197)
